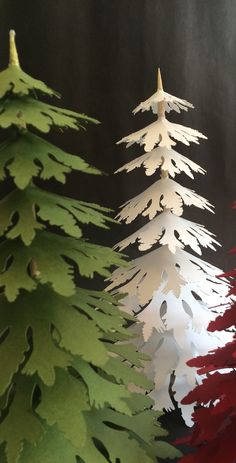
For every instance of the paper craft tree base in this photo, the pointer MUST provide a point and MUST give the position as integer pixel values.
(169, 289)
(213, 434)
(64, 394)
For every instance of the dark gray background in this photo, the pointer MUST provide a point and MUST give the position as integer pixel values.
(102, 55)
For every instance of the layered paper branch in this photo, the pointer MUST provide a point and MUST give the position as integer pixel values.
(172, 272)
(168, 159)
(171, 102)
(173, 231)
(163, 194)
(162, 132)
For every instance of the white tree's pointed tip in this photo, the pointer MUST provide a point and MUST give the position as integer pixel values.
(159, 80)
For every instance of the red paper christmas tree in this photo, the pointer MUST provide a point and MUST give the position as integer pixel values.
(214, 432)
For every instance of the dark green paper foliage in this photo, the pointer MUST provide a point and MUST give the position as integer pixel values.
(64, 393)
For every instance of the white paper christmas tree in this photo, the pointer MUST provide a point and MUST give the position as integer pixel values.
(169, 289)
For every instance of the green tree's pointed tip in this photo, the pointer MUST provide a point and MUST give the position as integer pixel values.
(96, 121)
(13, 54)
(91, 119)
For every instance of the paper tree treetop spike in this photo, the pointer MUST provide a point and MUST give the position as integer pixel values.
(160, 104)
(159, 80)
(162, 132)
(13, 54)
(169, 289)
(163, 156)
(168, 101)
(64, 380)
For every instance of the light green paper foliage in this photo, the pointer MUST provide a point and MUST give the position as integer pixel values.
(125, 446)
(164, 450)
(128, 352)
(34, 203)
(72, 334)
(27, 155)
(15, 80)
(53, 447)
(12, 348)
(64, 392)
(129, 444)
(64, 383)
(49, 250)
(26, 111)
(139, 403)
(100, 308)
(27, 223)
(21, 423)
(40, 311)
(75, 402)
(102, 392)
(122, 372)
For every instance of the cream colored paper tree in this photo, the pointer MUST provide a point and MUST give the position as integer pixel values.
(169, 289)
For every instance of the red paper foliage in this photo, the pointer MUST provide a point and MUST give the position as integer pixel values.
(213, 437)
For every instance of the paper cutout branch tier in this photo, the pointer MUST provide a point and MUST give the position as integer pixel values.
(168, 288)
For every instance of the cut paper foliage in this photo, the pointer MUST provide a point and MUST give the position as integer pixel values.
(173, 293)
(173, 231)
(171, 102)
(163, 194)
(65, 386)
(161, 132)
(168, 160)
(174, 271)
(28, 155)
(213, 433)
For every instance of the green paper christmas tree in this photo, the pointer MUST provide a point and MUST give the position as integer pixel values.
(64, 379)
